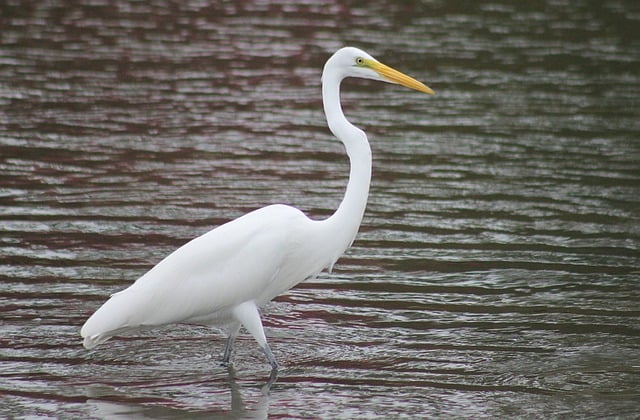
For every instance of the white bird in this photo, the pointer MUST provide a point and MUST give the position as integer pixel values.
(222, 277)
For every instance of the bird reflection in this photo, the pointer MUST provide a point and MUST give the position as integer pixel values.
(238, 406)
(112, 402)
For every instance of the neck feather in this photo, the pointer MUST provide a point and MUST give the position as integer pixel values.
(346, 220)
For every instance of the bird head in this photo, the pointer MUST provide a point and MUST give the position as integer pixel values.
(353, 62)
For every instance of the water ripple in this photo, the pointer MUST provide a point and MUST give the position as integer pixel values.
(496, 271)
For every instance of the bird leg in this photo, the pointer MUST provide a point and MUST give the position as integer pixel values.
(273, 377)
(248, 315)
(233, 333)
(270, 357)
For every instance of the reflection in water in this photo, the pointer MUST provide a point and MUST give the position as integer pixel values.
(108, 402)
(496, 271)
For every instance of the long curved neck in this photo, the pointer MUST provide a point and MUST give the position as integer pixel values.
(346, 220)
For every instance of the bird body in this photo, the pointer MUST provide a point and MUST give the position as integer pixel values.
(255, 257)
(222, 277)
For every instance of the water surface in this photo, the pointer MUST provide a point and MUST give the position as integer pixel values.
(497, 270)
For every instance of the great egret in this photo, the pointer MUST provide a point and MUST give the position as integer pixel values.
(222, 277)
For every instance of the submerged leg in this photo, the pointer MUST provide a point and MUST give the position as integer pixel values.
(247, 314)
(233, 333)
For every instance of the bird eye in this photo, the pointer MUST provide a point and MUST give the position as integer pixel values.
(359, 61)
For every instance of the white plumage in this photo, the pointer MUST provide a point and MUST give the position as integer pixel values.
(222, 277)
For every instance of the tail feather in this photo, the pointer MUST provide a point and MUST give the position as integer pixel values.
(93, 340)
(130, 310)
(112, 318)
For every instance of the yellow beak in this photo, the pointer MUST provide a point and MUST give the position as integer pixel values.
(395, 76)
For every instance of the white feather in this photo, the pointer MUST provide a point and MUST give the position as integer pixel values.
(223, 276)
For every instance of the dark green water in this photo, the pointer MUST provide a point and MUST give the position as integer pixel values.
(497, 270)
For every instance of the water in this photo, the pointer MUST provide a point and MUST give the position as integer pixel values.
(497, 270)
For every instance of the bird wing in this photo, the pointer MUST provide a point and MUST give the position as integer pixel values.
(226, 266)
